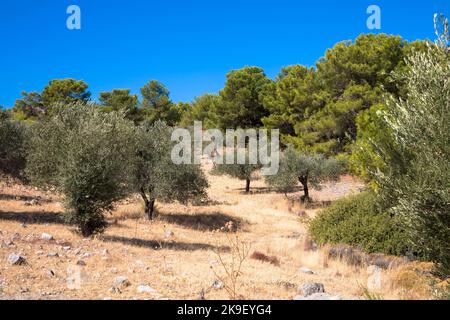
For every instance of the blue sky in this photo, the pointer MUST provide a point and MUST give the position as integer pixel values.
(189, 45)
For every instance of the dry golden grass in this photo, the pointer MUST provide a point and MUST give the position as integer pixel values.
(182, 265)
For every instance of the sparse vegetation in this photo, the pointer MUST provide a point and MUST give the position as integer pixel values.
(232, 269)
(377, 107)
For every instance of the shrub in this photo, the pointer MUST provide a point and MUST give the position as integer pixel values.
(358, 221)
(84, 153)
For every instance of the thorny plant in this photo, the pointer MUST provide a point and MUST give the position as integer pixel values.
(232, 269)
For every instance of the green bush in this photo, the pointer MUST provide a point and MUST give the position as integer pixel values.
(358, 221)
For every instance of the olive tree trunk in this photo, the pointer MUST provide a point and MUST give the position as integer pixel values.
(149, 205)
(304, 181)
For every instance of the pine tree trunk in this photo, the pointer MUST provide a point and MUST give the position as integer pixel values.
(247, 186)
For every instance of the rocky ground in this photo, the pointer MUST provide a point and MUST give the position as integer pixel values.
(184, 254)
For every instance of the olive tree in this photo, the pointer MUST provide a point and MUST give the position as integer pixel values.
(242, 171)
(415, 182)
(84, 153)
(12, 148)
(310, 170)
(156, 177)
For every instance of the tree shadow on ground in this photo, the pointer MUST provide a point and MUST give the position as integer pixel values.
(202, 221)
(158, 245)
(266, 190)
(9, 197)
(32, 217)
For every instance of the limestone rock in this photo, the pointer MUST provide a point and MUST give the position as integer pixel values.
(311, 288)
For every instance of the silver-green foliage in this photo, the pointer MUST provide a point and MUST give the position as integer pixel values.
(416, 182)
(242, 170)
(85, 154)
(12, 152)
(156, 177)
(310, 170)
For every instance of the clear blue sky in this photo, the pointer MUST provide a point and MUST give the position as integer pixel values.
(189, 45)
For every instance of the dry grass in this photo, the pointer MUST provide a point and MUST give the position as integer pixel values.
(178, 264)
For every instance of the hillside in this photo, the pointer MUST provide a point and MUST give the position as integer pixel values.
(178, 255)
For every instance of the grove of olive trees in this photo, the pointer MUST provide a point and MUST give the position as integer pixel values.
(377, 107)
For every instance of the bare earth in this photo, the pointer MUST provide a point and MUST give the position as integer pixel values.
(177, 254)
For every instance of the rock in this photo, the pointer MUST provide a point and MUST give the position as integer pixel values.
(201, 295)
(46, 236)
(302, 214)
(24, 290)
(115, 290)
(8, 243)
(213, 262)
(15, 236)
(51, 273)
(67, 248)
(33, 202)
(305, 270)
(217, 284)
(53, 254)
(139, 262)
(81, 263)
(86, 255)
(169, 233)
(146, 289)
(105, 252)
(121, 282)
(318, 296)
(16, 260)
(285, 284)
(308, 289)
